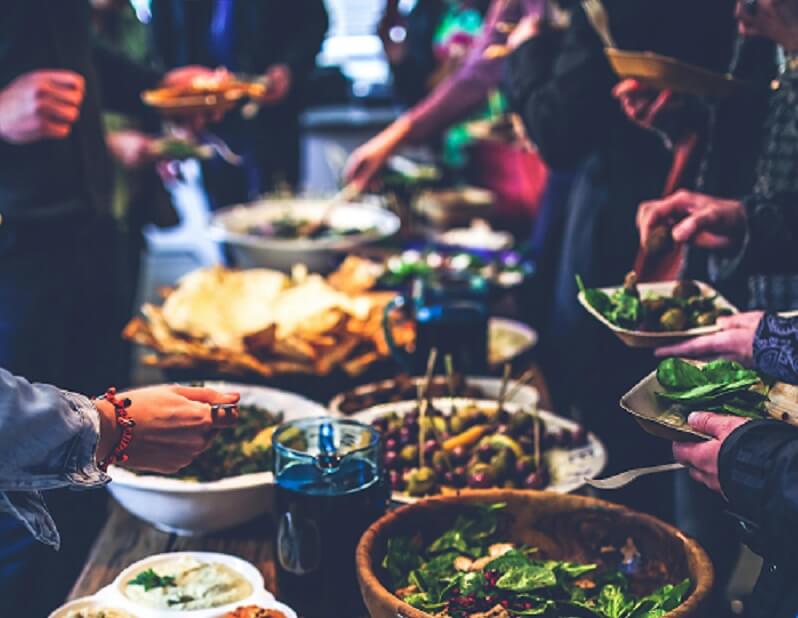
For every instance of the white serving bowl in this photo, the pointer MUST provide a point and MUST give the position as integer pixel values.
(524, 396)
(230, 226)
(191, 507)
(568, 467)
(113, 596)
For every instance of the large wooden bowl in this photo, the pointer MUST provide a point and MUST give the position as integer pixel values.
(563, 527)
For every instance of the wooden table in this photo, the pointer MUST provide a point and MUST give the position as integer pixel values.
(125, 539)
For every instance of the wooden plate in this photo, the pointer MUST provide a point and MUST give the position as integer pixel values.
(650, 339)
(663, 73)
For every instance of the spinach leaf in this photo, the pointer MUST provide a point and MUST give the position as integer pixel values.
(471, 583)
(661, 601)
(480, 523)
(527, 578)
(708, 392)
(723, 371)
(597, 299)
(678, 375)
(401, 558)
(573, 571)
(149, 579)
(627, 311)
(451, 540)
(613, 602)
(512, 559)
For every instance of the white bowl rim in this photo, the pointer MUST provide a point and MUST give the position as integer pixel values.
(166, 484)
(244, 568)
(387, 224)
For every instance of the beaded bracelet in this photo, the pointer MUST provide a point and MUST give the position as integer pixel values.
(118, 454)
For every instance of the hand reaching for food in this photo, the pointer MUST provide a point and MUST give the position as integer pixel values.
(701, 458)
(40, 105)
(279, 80)
(695, 218)
(734, 342)
(173, 424)
(367, 160)
(132, 149)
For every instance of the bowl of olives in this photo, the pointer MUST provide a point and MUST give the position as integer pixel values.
(456, 444)
(649, 315)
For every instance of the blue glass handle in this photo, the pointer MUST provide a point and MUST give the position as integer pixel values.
(402, 356)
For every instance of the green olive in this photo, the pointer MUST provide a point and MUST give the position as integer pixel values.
(439, 460)
(409, 453)
(420, 481)
(705, 319)
(457, 424)
(501, 464)
(673, 320)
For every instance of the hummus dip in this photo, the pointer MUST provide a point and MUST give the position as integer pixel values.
(188, 583)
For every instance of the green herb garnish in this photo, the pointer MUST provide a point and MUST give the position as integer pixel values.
(150, 579)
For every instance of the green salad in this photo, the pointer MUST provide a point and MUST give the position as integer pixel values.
(242, 449)
(686, 307)
(470, 571)
(720, 386)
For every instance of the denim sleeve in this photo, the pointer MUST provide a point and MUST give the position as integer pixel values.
(48, 440)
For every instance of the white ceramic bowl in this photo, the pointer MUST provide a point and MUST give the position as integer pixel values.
(230, 226)
(524, 396)
(113, 596)
(568, 467)
(190, 507)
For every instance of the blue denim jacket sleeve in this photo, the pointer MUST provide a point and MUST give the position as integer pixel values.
(48, 439)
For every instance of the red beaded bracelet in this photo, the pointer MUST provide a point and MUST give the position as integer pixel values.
(118, 455)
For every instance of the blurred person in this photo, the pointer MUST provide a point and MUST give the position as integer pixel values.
(560, 83)
(273, 39)
(753, 464)
(59, 317)
(746, 240)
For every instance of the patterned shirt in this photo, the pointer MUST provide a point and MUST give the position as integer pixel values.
(769, 253)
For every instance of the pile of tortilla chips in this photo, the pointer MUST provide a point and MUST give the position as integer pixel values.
(264, 322)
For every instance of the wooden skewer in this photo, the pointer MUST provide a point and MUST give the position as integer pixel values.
(520, 382)
(423, 402)
(503, 387)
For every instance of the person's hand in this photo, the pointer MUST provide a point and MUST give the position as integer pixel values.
(701, 220)
(173, 426)
(527, 28)
(279, 80)
(735, 342)
(701, 458)
(776, 20)
(368, 159)
(40, 105)
(132, 149)
(644, 105)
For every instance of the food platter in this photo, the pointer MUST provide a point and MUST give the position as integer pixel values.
(190, 507)
(217, 93)
(262, 322)
(662, 72)
(116, 597)
(352, 224)
(653, 339)
(568, 466)
(404, 387)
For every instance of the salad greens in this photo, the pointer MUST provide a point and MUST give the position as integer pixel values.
(623, 308)
(719, 386)
(150, 579)
(686, 307)
(468, 572)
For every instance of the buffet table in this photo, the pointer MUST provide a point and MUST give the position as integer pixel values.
(125, 539)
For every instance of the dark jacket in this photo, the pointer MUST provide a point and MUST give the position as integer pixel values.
(758, 468)
(60, 177)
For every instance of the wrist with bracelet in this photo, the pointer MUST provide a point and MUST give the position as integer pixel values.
(118, 454)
